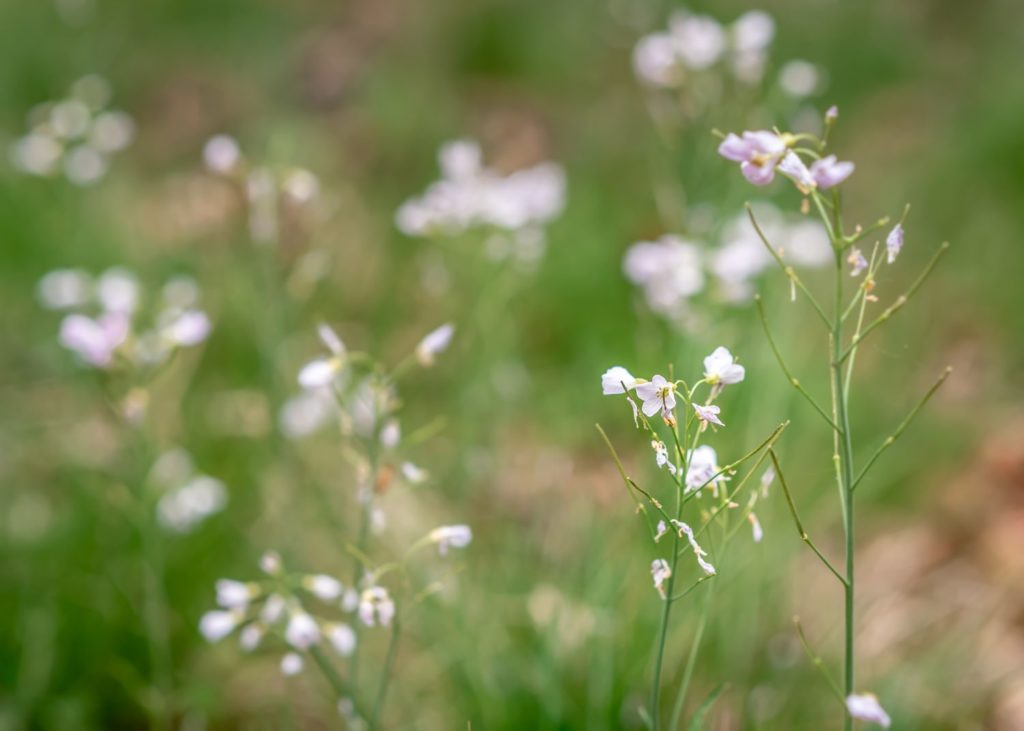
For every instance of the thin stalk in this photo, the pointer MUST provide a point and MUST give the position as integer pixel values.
(796, 519)
(816, 660)
(157, 633)
(385, 677)
(691, 660)
(663, 634)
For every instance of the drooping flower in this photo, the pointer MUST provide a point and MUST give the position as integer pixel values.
(657, 395)
(794, 168)
(708, 414)
(342, 638)
(661, 530)
(376, 606)
(721, 368)
(661, 456)
(302, 631)
(321, 372)
(434, 343)
(233, 594)
(702, 466)
(758, 153)
(894, 242)
(831, 114)
(755, 527)
(865, 707)
(323, 587)
(660, 572)
(451, 536)
(613, 379)
(700, 553)
(217, 624)
(829, 171)
(292, 664)
(856, 261)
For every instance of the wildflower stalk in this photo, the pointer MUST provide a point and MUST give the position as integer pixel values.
(385, 676)
(691, 659)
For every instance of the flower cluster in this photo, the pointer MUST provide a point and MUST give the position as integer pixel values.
(101, 327)
(761, 153)
(77, 135)
(672, 271)
(273, 197)
(694, 43)
(513, 208)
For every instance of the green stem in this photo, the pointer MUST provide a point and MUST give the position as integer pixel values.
(156, 625)
(691, 660)
(385, 677)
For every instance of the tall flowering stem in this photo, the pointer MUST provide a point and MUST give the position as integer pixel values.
(761, 155)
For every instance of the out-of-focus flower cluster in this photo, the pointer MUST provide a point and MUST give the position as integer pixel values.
(511, 209)
(186, 497)
(104, 328)
(672, 270)
(77, 135)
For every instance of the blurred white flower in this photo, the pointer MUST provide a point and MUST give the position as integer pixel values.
(111, 132)
(720, 368)
(64, 289)
(221, 154)
(434, 343)
(755, 527)
(699, 40)
(350, 600)
(302, 631)
(661, 456)
(321, 372)
(342, 638)
(894, 242)
(799, 79)
(189, 328)
(413, 473)
(250, 636)
(273, 608)
(451, 536)
(751, 34)
(37, 154)
(661, 530)
(376, 606)
(701, 467)
(669, 271)
(829, 171)
(270, 564)
(865, 707)
(94, 340)
(300, 185)
(184, 508)
(614, 378)
(307, 412)
(856, 261)
(766, 481)
(323, 587)
(656, 61)
(660, 572)
(117, 290)
(217, 624)
(390, 434)
(233, 594)
(292, 664)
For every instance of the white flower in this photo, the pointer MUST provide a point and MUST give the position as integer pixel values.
(434, 343)
(613, 379)
(342, 637)
(792, 166)
(660, 572)
(64, 289)
(894, 242)
(233, 594)
(390, 434)
(221, 154)
(669, 270)
(307, 412)
(460, 159)
(766, 480)
(95, 341)
(662, 530)
(655, 61)
(321, 372)
(189, 328)
(755, 527)
(702, 466)
(657, 395)
(218, 624)
(661, 455)
(250, 636)
(270, 563)
(302, 631)
(376, 606)
(182, 509)
(451, 536)
(708, 414)
(414, 474)
(273, 609)
(856, 261)
(699, 552)
(721, 368)
(118, 291)
(292, 664)
(350, 600)
(699, 39)
(323, 587)
(865, 707)
(799, 79)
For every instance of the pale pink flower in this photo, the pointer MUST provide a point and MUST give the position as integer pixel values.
(708, 414)
(829, 171)
(894, 242)
(376, 606)
(758, 154)
(434, 343)
(218, 624)
(865, 707)
(856, 261)
(342, 638)
(233, 594)
(793, 167)
(613, 379)
(662, 530)
(657, 395)
(302, 631)
(323, 587)
(755, 527)
(699, 552)
(292, 664)
(451, 536)
(660, 572)
(95, 341)
(721, 368)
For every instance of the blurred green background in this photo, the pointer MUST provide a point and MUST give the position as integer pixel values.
(551, 619)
